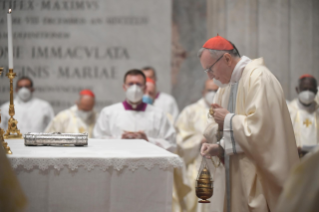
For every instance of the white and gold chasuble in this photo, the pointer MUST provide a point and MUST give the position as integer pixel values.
(258, 137)
(68, 121)
(305, 121)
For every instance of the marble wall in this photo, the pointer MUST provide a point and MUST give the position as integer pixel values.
(188, 35)
(67, 46)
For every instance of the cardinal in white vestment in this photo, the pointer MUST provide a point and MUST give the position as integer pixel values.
(162, 100)
(190, 126)
(256, 138)
(32, 114)
(304, 112)
(301, 190)
(80, 118)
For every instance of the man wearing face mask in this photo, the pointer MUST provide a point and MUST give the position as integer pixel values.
(304, 112)
(162, 100)
(256, 138)
(134, 119)
(79, 118)
(190, 126)
(32, 114)
(150, 91)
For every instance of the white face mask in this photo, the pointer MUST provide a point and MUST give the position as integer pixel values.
(219, 83)
(306, 97)
(134, 93)
(24, 94)
(209, 97)
(84, 115)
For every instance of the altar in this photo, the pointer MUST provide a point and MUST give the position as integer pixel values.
(106, 175)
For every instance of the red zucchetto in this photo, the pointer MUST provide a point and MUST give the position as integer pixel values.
(218, 43)
(87, 92)
(150, 80)
(306, 76)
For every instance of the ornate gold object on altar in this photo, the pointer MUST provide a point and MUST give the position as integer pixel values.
(204, 188)
(12, 132)
(4, 144)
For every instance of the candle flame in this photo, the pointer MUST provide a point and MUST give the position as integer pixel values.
(9, 11)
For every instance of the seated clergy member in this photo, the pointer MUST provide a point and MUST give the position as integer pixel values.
(32, 114)
(162, 100)
(79, 118)
(190, 125)
(134, 119)
(304, 112)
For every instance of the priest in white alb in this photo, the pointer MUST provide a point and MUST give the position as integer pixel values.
(256, 138)
(162, 100)
(134, 119)
(80, 118)
(190, 125)
(33, 114)
(304, 112)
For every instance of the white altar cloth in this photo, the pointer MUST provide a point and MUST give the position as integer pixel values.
(106, 175)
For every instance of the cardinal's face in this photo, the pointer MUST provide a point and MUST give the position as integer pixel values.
(216, 67)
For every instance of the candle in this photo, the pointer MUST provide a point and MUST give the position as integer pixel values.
(10, 50)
